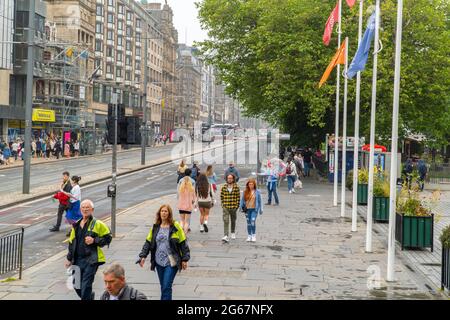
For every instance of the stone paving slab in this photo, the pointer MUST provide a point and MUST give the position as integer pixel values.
(303, 251)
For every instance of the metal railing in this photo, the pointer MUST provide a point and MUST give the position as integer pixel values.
(11, 252)
(445, 278)
(439, 173)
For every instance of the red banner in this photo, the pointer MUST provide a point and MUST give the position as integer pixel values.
(332, 19)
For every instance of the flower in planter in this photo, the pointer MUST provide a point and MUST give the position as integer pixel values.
(381, 184)
(410, 203)
(445, 237)
(363, 176)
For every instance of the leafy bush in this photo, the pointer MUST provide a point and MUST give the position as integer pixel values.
(410, 204)
(445, 237)
(381, 184)
(363, 176)
(349, 180)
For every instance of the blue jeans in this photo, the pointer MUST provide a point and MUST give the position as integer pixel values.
(88, 272)
(251, 221)
(291, 180)
(272, 188)
(307, 168)
(166, 276)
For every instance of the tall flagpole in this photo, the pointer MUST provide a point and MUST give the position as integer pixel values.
(394, 147)
(356, 142)
(344, 133)
(372, 130)
(336, 131)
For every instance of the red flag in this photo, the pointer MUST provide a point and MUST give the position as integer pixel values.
(332, 19)
(351, 3)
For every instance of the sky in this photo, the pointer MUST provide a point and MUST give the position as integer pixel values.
(185, 20)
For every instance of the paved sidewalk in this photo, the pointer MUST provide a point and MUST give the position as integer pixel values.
(303, 251)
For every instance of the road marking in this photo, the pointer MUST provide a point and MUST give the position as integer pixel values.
(14, 224)
(313, 195)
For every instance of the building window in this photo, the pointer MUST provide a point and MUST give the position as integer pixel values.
(138, 23)
(110, 18)
(110, 35)
(120, 8)
(119, 72)
(128, 60)
(138, 65)
(119, 40)
(129, 16)
(111, 3)
(96, 93)
(120, 25)
(98, 45)
(99, 10)
(137, 78)
(97, 63)
(138, 51)
(129, 45)
(110, 51)
(109, 69)
(129, 32)
(138, 37)
(128, 76)
(119, 56)
(99, 27)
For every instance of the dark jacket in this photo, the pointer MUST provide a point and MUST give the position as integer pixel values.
(127, 293)
(177, 242)
(102, 237)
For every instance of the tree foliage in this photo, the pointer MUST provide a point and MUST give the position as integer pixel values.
(271, 56)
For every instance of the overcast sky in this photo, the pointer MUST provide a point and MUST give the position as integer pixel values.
(185, 20)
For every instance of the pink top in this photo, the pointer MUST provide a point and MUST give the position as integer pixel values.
(186, 200)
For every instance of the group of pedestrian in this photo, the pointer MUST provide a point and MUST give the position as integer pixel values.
(408, 169)
(69, 198)
(161, 138)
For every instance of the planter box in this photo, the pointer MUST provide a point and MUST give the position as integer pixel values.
(362, 193)
(381, 209)
(414, 231)
(445, 278)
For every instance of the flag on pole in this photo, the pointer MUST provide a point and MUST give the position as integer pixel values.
(84, 54)
(339, 58)
(332, 19)
(362, 54)
(351, 3)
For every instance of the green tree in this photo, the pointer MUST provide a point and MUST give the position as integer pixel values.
(271, 56)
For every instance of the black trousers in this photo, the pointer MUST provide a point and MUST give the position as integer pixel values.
(88, 272)
(61, 209)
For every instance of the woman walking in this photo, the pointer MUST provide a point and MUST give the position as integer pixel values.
(291, 173)
(186, 200)
(205, 200)
(251, 204)
(181, 170)
(73, 213)
(169, 252)
(212, 178)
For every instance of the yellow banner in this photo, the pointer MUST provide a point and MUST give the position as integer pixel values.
(43, 115)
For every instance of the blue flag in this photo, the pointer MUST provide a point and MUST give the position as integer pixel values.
(360, 59)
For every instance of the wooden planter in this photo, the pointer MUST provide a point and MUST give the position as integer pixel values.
(381, 209)
(445, 278)
(414, 231)
(362, 193)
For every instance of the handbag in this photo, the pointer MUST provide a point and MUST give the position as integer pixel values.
(298, 184)
(244, 208)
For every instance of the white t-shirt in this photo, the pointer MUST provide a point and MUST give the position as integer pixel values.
(15, 146)
(111, 297)
(76, 192)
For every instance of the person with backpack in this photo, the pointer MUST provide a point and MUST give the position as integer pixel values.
(291, 173)
(205, 200)
(116, 285)
(87, 237)
(251, 205)
(169, 252)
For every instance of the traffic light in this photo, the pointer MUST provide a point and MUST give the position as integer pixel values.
(133, 132)
(121, 124)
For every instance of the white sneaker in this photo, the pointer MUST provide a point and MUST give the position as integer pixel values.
(233, 236)
(254, 238)
(225, 239)
(202, 228)
(249, 238)
(290, 191)
(293, 191)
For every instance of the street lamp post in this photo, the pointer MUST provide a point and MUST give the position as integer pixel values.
(114, 169)
(29, 102)
(144, 108)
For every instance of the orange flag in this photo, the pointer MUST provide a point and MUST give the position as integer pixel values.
(339, 58)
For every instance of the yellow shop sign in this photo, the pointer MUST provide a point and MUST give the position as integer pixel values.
(43, 115)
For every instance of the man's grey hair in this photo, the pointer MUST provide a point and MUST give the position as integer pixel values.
(116, 269)
(90, 202)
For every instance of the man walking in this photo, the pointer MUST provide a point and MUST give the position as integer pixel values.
(232, 170)
(15, 150)
(87, 238)
(230, 197)
(116, 286)
(63, 205)
(307, 159)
